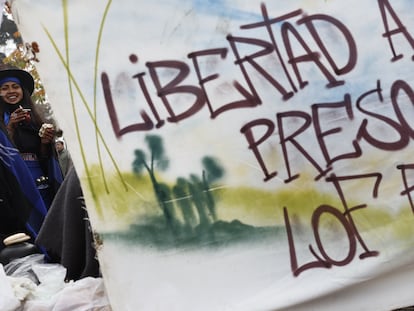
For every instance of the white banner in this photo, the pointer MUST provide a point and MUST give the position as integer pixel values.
(239, 155)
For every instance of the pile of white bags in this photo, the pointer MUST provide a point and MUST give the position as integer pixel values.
(30, 284)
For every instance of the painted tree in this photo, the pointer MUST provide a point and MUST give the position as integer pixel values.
(167, 205)
(212, 171)
(160, 161)
(184, 202)
(196, 191)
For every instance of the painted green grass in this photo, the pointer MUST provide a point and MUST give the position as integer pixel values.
(403, 224)
(253, 207)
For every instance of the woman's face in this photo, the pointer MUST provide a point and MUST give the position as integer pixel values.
(11, 92)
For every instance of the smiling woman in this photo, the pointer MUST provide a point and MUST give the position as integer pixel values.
(23, 125)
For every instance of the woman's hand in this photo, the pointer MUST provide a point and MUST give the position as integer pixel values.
(47, 134)
(18, 116)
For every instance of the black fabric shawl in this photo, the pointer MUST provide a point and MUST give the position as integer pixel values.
(66, 233)
(14, 206)
(26, 138)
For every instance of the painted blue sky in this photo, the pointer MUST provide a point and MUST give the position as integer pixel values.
(224, 9)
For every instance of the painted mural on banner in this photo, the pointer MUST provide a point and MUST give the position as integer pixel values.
(239, 155)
